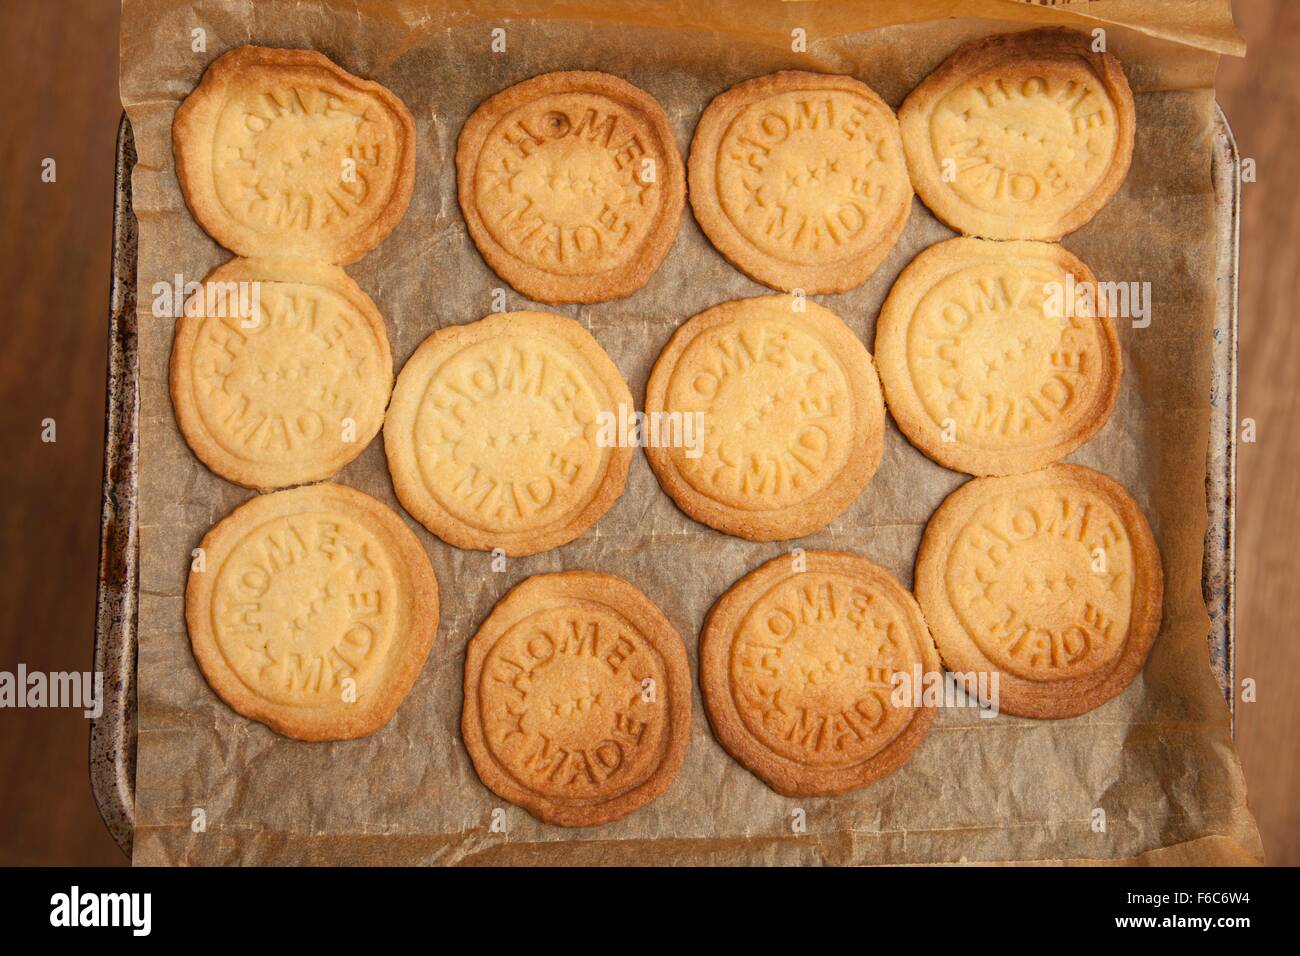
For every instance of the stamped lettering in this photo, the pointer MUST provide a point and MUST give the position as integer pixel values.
(571, 185)
(281, 152)
(494, 432)
(1022, 136)
(799, 179)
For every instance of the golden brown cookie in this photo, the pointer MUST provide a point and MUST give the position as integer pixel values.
(1052, 579)
(577, 699)
(284, 153)
(571, 186)
(799, 180)
(790, 407)
(991, 362)
(280, 371)
(798, 672)
(496, 434)
(1021, 135)
(312, 611)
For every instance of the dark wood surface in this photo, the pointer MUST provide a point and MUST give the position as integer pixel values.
(58, 77)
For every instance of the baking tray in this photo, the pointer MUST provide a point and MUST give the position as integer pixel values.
(113, 733)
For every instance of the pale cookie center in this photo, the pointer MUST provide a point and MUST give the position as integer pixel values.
(1042, 582)
(778, 414)
(811, 668)
(983, 351)
(281, 389)
(506, 433)
(570, 183)
(303, 157)
(1020, 140)
(807, 177)
(574, 703)
(304, 610)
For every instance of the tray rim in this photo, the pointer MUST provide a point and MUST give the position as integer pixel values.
(112, 761)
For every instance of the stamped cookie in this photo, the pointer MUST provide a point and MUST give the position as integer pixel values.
(791, 414)
(799, 180)
(797, 671)
(571, 186)
(496, 437)
(283, 153)
(313, 611)
(989, 364)
(1020, 136)
(1052, 579)
(280, 371)
(577, 699)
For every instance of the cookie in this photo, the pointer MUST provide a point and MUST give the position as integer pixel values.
(284, 153)
(577, 699)
(312, 611)
(1020, 136)
(571, 186)
(280, 371)
(799, 180)
(797, 671)
(989, 364)
(496, 436)
(791, 414)
(1051, 579)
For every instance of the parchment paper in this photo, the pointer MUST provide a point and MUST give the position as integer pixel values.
(1158, 760)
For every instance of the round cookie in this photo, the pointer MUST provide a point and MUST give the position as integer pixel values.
(280, 371)
(496, 436)
(1052, 579)
(577, 699)
(988, 363)
(284, 153)
(313, 611)
(793, 420)
(571, 186)
(1020, 136)
(799, 180)
(797, 671)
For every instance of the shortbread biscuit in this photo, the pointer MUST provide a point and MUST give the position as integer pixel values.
(1020, 136)
(799, 180)
(280, 371)
(571, 186)
(798, 670)
(1052, 579)
(791, 412)
(312, 610)
(993, 357)
(577, 699)
(498, 437)
(283, 153)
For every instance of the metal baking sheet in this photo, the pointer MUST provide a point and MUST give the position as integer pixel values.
(113, 734)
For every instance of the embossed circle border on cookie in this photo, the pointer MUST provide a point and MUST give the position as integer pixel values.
(403, 411)
(181, 383)
(1048, 700)
(194, 129)
(866, 447)
(788, 777)
(530, 279)
(702, 166)
(893, 328)
(1047, 46)
(416, 627)
(623, 600)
